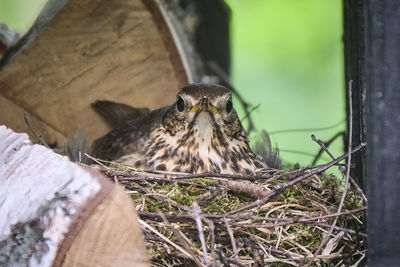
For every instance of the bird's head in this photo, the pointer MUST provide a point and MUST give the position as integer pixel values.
(203, 106)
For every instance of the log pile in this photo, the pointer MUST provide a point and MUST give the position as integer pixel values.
(78, 52)
(56, 213)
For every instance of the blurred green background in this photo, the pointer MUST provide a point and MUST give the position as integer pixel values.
(19, 14)
(287, 56)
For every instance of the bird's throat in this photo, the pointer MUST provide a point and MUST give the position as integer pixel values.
(200, 147)
(203, 130)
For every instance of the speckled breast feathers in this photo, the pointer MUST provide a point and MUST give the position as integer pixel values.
(200, 132)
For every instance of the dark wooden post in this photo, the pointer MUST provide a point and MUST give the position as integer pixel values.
(383, 151)
(212, 36)
(372, 61)
(355, 70)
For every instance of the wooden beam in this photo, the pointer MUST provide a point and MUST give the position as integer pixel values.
(355, 71)
(383, 150)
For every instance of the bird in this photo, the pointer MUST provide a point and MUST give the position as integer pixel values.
(199, 133)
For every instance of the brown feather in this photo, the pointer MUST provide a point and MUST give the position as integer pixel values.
(196, 134)
(117, 113)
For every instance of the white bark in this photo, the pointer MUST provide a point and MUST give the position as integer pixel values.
(41, 193)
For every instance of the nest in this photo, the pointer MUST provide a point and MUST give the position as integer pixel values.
(272, 217)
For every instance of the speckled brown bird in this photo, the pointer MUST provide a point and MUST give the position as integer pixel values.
(200, 132)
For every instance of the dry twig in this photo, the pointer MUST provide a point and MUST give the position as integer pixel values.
(343, 170)
(196, 213)
(280, 187)
(349, 149)
(232, 237)
(38, 137)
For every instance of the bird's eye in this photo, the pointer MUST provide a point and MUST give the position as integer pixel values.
(229, 106)
(180, 104)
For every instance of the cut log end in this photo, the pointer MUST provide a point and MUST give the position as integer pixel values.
(56, 213)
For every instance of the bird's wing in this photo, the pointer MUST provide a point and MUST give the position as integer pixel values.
(117, 114)
(127, 137)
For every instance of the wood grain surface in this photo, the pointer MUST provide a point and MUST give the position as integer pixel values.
(97, 49)
(111, 236)
(57, 213)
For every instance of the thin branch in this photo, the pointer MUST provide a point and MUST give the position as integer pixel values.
(152, 175)
(349, 149)
(289, 221)
(341, 168)
(141, 178)
(338, 228)
(280, 187)
(252, 190)
(307, 129)
(232, 237)
(163, 237)
(34, 133)
(184, 241)
(260, 225)
(213, 254)
(219, 217)
(328, 143)
(146, 177)
(196, 213)
(248, 113)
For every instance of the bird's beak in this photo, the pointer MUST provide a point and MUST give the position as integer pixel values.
(204, 102)
(204, 105)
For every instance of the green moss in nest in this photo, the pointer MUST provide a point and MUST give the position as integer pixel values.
(225, 202)
(317, 196)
